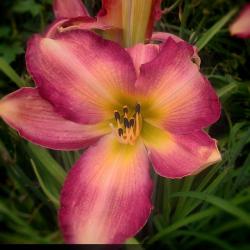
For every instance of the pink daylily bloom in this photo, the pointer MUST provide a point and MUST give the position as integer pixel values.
(147, 104)
(241, 25)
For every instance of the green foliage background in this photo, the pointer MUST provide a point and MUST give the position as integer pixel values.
(209, 211)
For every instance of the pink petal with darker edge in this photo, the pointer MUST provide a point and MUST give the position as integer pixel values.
(180, 155)
(80, 73)
(35, 120)
(106, 196)
(163, 37)
(184, 100)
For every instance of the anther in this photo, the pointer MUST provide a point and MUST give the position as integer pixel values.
(132, 122)
(125, 109)
(126, 123)
(117, 115)
(138, 108)
(120, 131)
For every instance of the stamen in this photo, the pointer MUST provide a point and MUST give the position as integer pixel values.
(125, 109)
(132, 122)
(126, 123)
(120, 131)
(137, 124)
(117, 115)
(138, 108)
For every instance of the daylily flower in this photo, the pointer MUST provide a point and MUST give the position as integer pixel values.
(241, 25)
(147, 104)
(125, 21)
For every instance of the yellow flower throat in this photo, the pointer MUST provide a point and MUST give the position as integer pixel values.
(128, 127)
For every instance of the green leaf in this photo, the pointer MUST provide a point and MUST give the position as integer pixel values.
(5, 31)
(218, 202)
(10, 52)
(27, 6)
(10, 72)
(45, 187)
(210, 33)
(227, 226)
(226, 89)
(206, 237)
(190, 219)
(191, 204)
(213, 211)
(48, 162)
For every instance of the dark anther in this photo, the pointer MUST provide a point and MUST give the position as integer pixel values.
(138, 108)
(132, 122)
(120, 131)
(117, 115)
(125, 109)
(126, 123)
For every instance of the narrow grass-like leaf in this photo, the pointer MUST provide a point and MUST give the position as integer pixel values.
(226, 89)
(218, 202)
(187, 183)
(210, 33)
(227, 227)
(178, 224)
(213, 211)
(43, 185)
(8, 212)
(237, 147)
(18, 176)
(48, 162)
(192, 204)
(242, 174)
(21, 238)
(11, 73)
(206, 237)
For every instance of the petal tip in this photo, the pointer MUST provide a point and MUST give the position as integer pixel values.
(240, 26)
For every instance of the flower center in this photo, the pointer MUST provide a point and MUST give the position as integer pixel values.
(128, 126)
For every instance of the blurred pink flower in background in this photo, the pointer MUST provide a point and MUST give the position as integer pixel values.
(241, 25)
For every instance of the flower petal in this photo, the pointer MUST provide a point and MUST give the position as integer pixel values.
(80, 73)
(163, 37)
(176, 156)
(69, 8)
(106, 196)
(180, 98)
(85, 23)
(156, 13)
(241, 25)
(111, 13)
(35, 119)
(143, 53)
